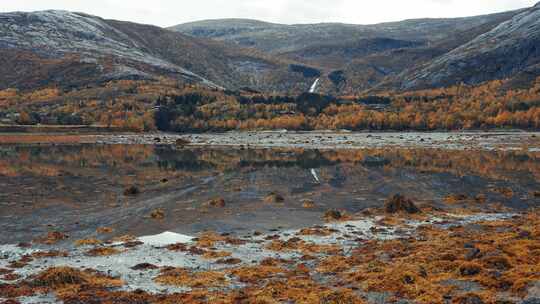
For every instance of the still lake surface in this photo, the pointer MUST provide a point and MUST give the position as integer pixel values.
(79, 188)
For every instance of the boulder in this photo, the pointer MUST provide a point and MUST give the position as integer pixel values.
(399, 203)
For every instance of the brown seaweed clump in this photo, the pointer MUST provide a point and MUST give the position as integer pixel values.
(102, 251)
(60, 277)
(185, 277)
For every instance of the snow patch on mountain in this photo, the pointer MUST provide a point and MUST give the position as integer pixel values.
(497, 48)
(57, 33)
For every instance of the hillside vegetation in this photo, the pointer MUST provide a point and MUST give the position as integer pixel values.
(174, 106)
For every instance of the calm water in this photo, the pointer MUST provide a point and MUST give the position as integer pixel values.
(76, 189)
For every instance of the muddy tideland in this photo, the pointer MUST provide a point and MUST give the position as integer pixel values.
(270, 217)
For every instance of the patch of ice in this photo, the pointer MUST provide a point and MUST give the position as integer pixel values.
(165, 238)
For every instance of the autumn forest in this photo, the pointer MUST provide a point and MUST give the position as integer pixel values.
(169, 105)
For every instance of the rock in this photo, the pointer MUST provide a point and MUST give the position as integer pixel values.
(469, 269)
(378, 297)
(144, 266)
(469, 299)
(131, 190)
(463, 286)
(217, 202)
(332, 215)
(158, 214)
(480, 198)
(399, 203)
(229, 261)
(182, 142)
(531, 301)
(524, 234)
(472, 254)
(534, 291)
(53, 237)
(455, 198)
(274, 198)
(308, 204)
(104, 230)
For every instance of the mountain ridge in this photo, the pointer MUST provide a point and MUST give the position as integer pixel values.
(112, 49)
(57, 47)
(366, 57)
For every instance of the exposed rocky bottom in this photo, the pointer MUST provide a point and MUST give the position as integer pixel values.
(424, 255)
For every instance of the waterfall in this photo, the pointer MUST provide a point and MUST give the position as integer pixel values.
(314, 86)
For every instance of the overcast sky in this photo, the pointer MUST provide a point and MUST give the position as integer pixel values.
(171, 12)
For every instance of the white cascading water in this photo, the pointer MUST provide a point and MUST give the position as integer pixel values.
(314, 86)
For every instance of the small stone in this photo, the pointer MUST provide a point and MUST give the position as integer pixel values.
(217, 202)
(158, 214)
(144, 266)
(524, 234)
(274, 197)
(131, 190)
(469, 269)
(182, 142)
(332, 215)
(308, 204)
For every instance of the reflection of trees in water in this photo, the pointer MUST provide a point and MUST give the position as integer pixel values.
(37, 160)
(180, 160)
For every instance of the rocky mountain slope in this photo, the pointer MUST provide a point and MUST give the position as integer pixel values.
(73, 49)
(70, 49)
(292, 38)
(409, 54)
(509, 50)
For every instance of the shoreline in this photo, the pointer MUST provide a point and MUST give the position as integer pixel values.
(308, 140)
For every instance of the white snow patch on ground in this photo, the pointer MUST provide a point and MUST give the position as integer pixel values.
(165, 238)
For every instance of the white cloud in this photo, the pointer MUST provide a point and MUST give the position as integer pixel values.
(170, 12)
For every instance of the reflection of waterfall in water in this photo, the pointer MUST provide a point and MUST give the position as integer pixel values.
(315, 175)
(314, 86)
